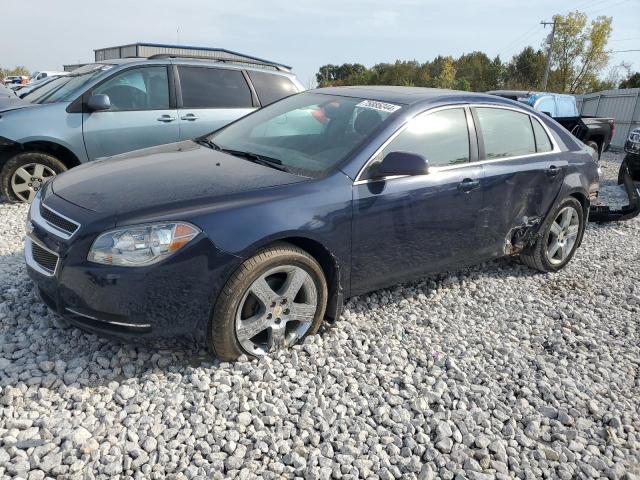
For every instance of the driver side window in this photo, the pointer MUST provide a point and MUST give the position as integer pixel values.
(442, 137)
(137, 89)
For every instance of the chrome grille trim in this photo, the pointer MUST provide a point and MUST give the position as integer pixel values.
(31, 262)
(110, 322)
(37, 218)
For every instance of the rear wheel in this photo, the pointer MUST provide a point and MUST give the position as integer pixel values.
(272, 301)
(26, 173)
(561, 235)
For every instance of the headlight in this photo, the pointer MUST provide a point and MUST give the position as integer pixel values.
(141, 245)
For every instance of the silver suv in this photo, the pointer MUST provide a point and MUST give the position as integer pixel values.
(107, 108)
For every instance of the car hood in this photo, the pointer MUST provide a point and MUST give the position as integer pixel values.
(171, 175)
(12, 103)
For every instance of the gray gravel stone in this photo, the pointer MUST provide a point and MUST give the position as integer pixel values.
(493, 371)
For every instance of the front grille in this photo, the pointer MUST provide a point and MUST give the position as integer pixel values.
(58, 221)
(44, 258)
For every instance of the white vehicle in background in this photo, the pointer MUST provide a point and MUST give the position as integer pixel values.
(40, 74)
(14, 79)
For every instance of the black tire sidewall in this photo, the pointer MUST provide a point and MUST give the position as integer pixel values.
(569, 201)
(221, 333)
(19, 160)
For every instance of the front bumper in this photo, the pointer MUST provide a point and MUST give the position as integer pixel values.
(172, 297)
(632, 147)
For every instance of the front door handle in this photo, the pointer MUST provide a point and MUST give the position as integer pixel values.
(166, 118)
(552, 171)
(189, 117)
(468, 184)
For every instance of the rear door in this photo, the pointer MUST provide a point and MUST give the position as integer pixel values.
(523, 171)
(141, 113)
(209, 98)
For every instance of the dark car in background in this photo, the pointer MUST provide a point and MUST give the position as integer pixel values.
(632, 157)
(252, 236)
(595, 132)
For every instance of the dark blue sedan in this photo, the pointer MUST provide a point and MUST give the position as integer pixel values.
(254, 235)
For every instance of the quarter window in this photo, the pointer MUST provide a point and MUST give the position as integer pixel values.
(270, 87)
(441, 137)
(543, 144)
(214, 88)
(505, 133)
(137, 89)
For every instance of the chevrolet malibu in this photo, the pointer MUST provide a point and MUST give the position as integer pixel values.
(252, 236)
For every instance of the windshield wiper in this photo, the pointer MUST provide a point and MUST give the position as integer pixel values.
(259, 159)
(208, 143)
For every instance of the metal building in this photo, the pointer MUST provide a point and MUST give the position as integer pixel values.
(145, 50)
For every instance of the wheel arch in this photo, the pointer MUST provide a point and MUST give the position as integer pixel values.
(56, 149)
(328, 262)
(62, 153)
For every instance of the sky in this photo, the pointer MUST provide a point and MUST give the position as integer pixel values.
(45, 34)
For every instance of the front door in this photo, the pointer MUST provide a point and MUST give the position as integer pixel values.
(140, 115)
(404, 227)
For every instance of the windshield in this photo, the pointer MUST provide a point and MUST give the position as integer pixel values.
(64, 88)
(308, 133)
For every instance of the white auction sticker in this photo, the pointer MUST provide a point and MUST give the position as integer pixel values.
(382, 106)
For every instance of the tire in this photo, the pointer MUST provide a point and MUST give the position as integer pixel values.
(538, 256)
(31, 163)
(230, 332)
(595, 146)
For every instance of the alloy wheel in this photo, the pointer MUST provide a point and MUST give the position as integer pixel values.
(28, 179)
(276, 310)
(563, 235)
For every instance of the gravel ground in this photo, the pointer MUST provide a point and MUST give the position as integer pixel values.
(492, 372)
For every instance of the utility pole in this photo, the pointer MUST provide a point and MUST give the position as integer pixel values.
(549, 49)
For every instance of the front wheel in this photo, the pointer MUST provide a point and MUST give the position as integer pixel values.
(26, 173)
(560, 236)
(272, 301)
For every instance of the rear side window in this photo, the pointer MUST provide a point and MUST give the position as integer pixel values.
(505, 133)
(271, 88)
(213, 88)
(440, 137)
(543, 144)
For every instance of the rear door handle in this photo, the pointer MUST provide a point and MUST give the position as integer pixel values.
(552, 171)
(468, 184)
(189, 117)
(166, 118)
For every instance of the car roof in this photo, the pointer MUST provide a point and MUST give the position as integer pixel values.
(239, 65)
(404, 95)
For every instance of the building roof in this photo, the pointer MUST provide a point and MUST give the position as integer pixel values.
(194, 47)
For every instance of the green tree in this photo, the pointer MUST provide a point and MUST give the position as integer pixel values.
(443, 72)
(579, 51)
(633, 81)
(477, 71)
(525, 70)
(339, 74)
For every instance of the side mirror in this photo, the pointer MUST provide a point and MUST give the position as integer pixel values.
(99, 102)
(402, 163)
